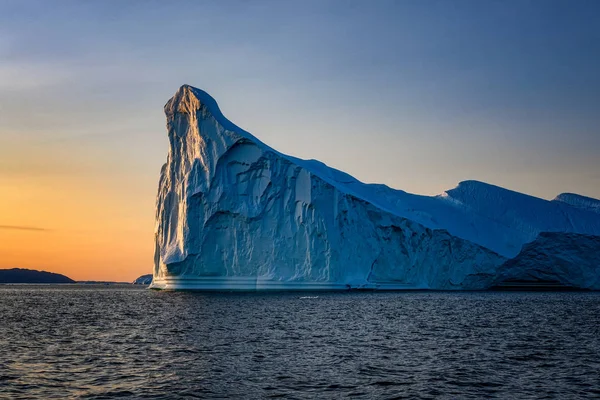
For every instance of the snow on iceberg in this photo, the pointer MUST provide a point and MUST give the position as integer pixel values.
(233, 213)
(583, 202)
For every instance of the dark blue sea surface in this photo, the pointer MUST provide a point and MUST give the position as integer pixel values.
(109, 341)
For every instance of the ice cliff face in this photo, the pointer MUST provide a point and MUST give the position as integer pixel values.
(569, 258)
(232, 213)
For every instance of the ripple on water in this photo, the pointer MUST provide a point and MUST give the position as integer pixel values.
(125, 342)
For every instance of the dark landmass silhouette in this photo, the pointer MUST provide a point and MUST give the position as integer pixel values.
(20, 275)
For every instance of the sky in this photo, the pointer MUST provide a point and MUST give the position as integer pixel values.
(416, 94)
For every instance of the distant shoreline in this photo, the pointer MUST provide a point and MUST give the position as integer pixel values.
(29, 276)
(23, 276)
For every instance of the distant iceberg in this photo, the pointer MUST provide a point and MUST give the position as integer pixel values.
(143, 280)
(234, 214)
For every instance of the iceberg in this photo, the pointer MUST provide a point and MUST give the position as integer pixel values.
(234, 214)
(566, 259)
(143, 280)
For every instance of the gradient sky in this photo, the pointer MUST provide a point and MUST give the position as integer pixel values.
(415, 94)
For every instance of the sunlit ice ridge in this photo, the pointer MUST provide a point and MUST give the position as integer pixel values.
(234, 214)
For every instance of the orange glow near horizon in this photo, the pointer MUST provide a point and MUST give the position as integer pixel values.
(86, 228)
(117, 256)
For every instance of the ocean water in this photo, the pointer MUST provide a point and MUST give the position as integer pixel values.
(109, 342)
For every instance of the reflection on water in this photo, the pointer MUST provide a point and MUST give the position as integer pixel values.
(105, 342)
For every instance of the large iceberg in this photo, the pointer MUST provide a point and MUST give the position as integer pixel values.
(233, 213)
